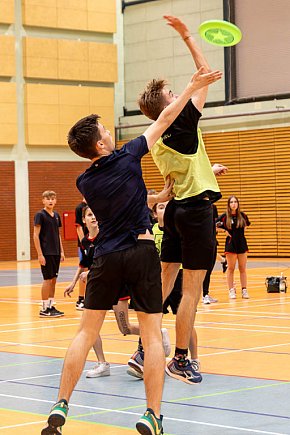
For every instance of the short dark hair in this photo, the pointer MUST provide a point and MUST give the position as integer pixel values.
(84, 135)
(151, 101)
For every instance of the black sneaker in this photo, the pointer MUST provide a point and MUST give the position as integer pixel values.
(56, 419)
(224, 266)
(184, 373)
(49, 312)
(54, 310)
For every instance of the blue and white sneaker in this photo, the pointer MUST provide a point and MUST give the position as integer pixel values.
(137, 361)
(184, 373)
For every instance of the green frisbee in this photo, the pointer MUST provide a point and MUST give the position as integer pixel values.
(219, 32)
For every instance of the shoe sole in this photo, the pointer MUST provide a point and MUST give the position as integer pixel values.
(135, 366)
(143, 429)
(99, 375)
(50, 430)
(55, 422)
(181, 378)
(132, 372)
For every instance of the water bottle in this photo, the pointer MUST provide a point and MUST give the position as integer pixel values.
(282, 284)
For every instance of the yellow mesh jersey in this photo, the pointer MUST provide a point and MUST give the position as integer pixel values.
(192, 173)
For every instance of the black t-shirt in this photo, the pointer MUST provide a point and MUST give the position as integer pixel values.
(49, 232)
(182, 133)
(115, 191)
(79, 218)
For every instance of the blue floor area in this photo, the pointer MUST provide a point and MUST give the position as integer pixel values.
(220, 405)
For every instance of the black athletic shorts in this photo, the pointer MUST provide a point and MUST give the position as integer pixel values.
(138, 267)
(189, 234)
(51, 268)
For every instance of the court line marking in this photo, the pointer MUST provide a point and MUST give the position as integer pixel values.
(127, 354)
(48, 327)
(49, 375)
(137, 414)
(10, 343)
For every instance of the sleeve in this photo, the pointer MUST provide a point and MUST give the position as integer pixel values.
(78, 216)
(38, 219)
(137, 147)
(59, 221)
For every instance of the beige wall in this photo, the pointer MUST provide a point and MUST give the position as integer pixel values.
(8, 119)
(152, 49)
(70, 60)
(7, 11)
(89, 15)
(51, 110)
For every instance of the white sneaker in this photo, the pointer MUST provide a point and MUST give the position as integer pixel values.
(233, 293)
(206, 300)
(166, 341)
(212, 300)
(245, 294)
(100, 369)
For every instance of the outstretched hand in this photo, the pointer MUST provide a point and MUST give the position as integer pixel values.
(201, 79)
(219, 169)
(166, 193)
(177, 25)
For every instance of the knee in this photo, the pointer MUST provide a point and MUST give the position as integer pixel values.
(231, 268)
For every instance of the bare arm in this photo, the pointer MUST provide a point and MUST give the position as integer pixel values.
(165, 195)
(80, 233)
(198, 57)
(36, 232)
(168, 115)
(61, 249)
(70, 288)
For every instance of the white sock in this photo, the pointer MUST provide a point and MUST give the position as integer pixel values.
(45, 304)
(50, 302)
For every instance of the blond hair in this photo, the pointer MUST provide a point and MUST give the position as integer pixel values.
(48, 194)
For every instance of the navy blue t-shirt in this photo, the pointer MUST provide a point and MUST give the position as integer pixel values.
(115, 191)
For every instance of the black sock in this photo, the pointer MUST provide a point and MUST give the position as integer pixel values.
(181, 356)
(64, 401)
(140, 345)
(81, 298)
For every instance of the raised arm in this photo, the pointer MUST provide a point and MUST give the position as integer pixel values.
(168, 115)
(198, 57)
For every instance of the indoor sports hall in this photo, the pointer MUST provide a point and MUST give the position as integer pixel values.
(63, 60)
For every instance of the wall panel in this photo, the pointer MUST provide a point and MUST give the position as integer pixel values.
(7, 55)
(7, 11)
(87, 15)
(51, 110)
(8, 115)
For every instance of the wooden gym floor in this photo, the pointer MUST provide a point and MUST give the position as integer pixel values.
(244, 348)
